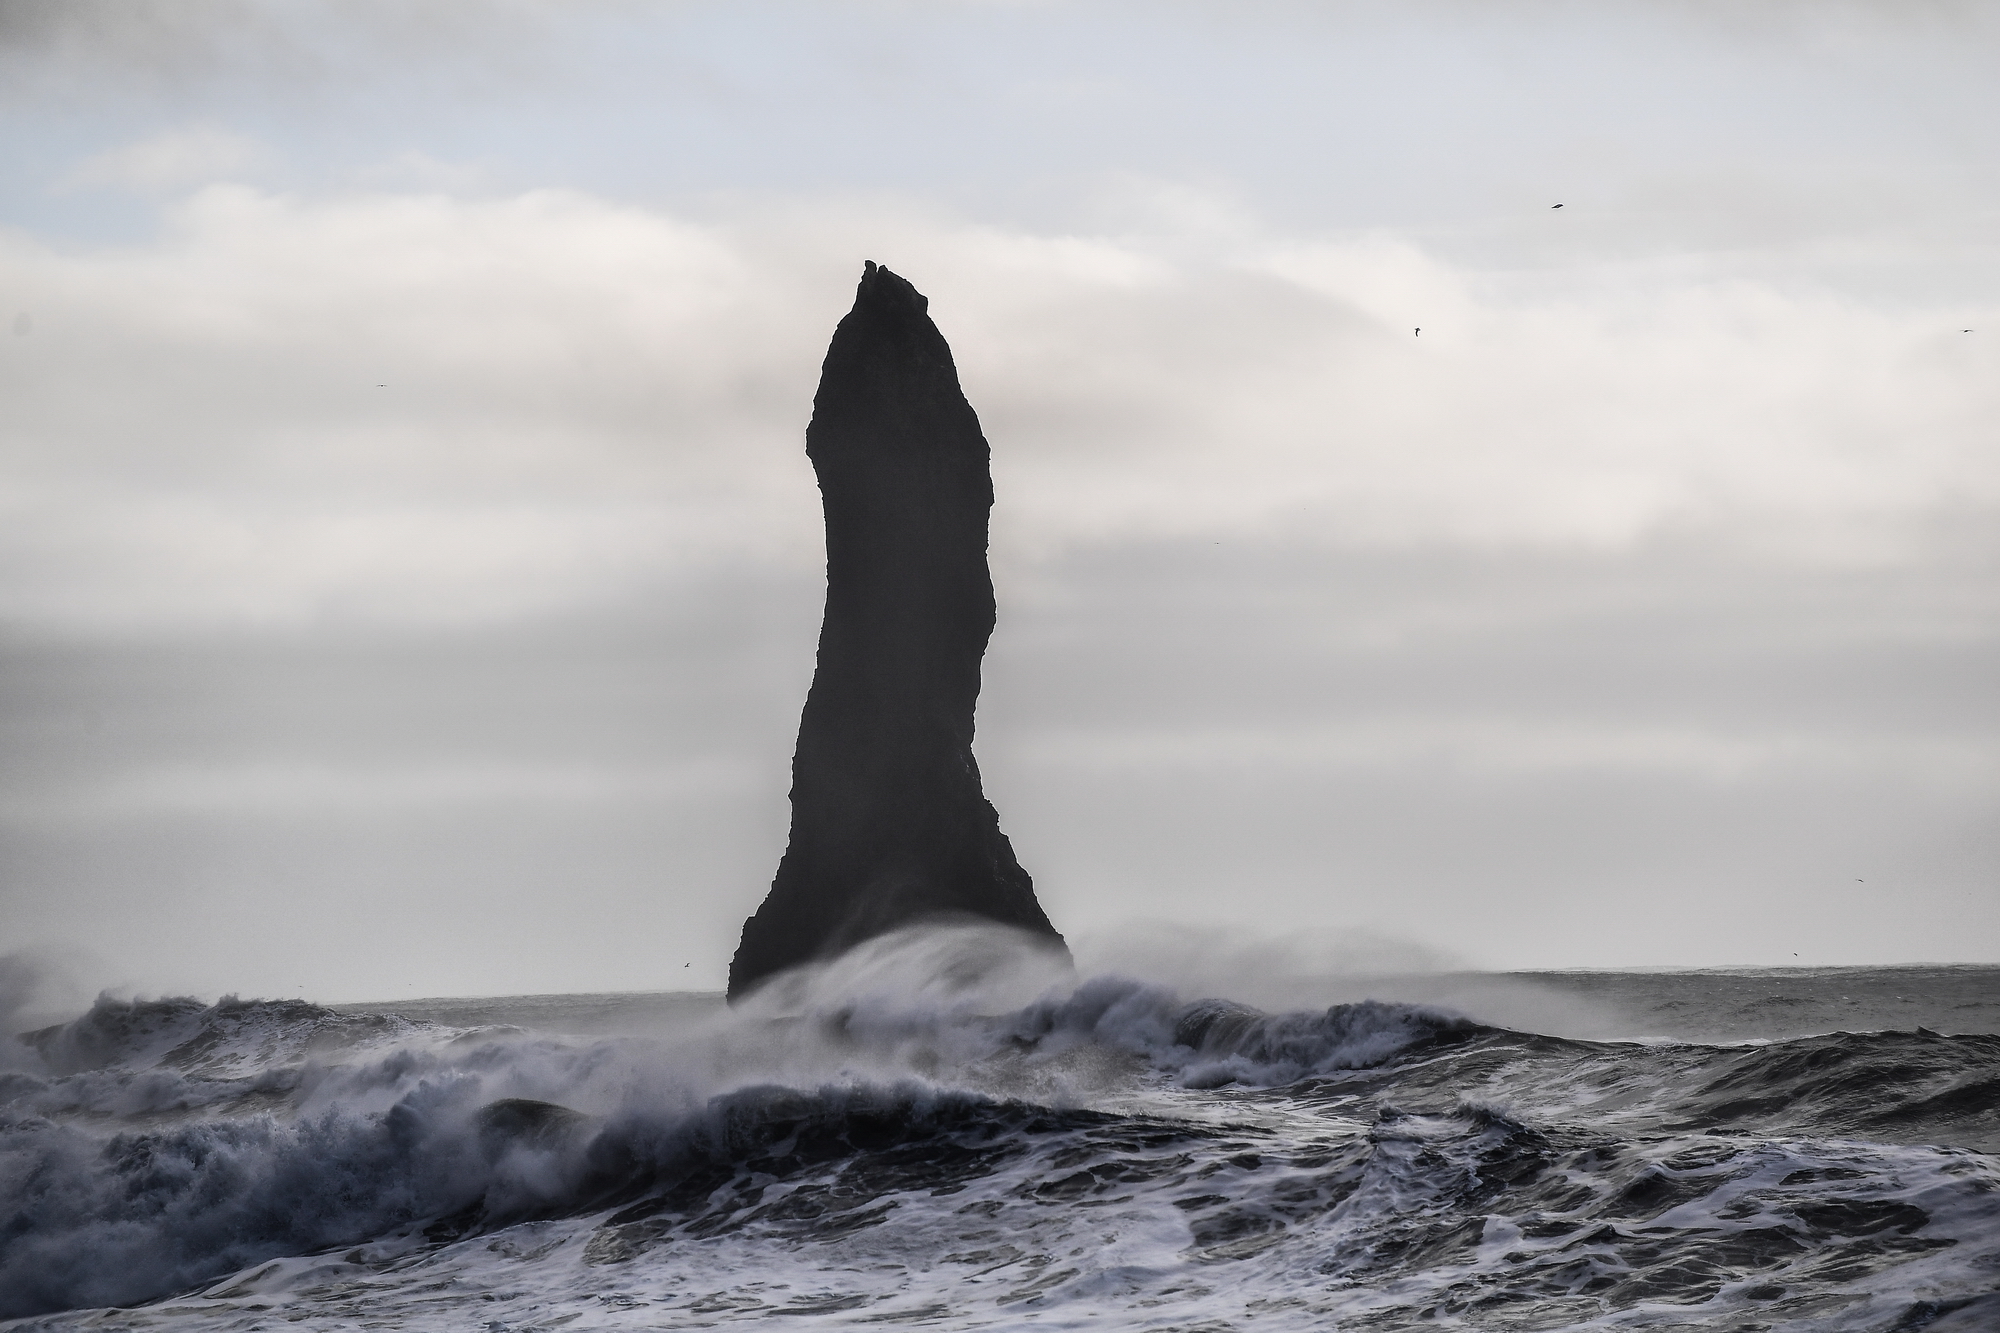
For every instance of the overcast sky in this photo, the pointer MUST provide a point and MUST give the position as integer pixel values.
(410, 566)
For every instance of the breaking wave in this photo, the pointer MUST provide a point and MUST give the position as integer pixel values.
(965, 1129)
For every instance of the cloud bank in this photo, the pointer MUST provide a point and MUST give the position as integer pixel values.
(421, 407)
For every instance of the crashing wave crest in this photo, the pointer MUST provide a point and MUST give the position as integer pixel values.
(929, 1085)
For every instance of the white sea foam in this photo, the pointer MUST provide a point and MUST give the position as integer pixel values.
(945, 1128)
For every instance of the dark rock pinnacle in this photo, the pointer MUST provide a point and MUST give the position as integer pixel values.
(889, 825)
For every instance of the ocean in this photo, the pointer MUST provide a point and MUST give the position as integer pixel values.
(950, 1130)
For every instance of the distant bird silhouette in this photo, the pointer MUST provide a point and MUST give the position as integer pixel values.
(1418, 334)
(1555, 205)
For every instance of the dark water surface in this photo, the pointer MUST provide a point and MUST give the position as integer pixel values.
(1772, 1004)
(940, 1135)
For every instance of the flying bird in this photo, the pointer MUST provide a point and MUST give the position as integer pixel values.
(1418, 334)
(1555, 205)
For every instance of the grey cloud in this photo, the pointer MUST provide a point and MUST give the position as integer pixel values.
(1521, 759)
(1430, 743)
(520, 790)
(174, 41)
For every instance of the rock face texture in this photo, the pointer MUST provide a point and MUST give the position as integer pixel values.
(889, 825)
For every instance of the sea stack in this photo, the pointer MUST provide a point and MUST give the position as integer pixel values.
(889, 825)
